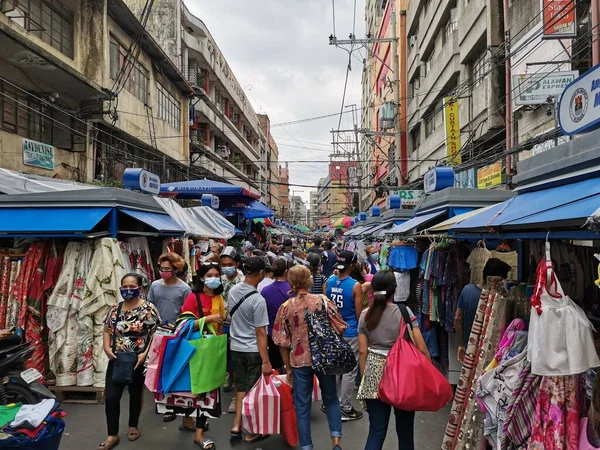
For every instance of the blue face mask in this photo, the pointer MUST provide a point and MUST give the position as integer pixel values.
(375, 256)
(212, 282)
(129, 294)
(229, 271)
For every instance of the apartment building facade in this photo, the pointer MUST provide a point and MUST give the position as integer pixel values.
(313, 217)
(77, 103)
(272, 165)
(284, 192)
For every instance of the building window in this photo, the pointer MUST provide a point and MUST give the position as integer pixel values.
(169, 108)
(49, 20)
(138, 79)
(428, 64)
(479, 69)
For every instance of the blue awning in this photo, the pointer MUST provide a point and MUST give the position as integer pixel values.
(194, 189)
(163, 223)
(561, 206)
(415, 222)
(248, 208)
(382, 228)
(50, 220)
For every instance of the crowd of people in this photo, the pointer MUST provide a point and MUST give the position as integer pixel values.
(259, 299)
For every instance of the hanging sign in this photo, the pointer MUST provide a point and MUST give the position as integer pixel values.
(579, 106)
(559, 19)
(141, 180)
(452, 123)
(393, 201)
(36, 154)
(489, 176)
(534, 89)
(212, 201)
(438, 178)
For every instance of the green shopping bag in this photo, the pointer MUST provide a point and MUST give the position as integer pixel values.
(208, 366)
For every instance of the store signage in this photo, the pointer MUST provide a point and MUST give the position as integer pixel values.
(579, 106)
(212, 201)
(362, 216)
(489, 176)
(412, 197)
(466, 179)
(375, 211)
(559, 19)
(393, 201)
(36, 154)
(141, 180)
(452, 122)
(438, 178)
(536, 88)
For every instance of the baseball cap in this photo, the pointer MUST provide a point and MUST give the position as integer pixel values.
(254, 264)
(230, 252)
(248, 246)
(345, 258)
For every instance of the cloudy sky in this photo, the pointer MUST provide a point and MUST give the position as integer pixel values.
(280, 54)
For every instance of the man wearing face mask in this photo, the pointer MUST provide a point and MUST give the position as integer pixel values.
(168, 293)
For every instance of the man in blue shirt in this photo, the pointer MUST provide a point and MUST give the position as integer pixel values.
(346, 293)
(329, 265)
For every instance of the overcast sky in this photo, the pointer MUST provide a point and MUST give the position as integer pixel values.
(280, 54)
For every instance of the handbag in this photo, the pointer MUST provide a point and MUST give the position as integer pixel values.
(410, 381)
(330, 353)
(124, 365)
(208, 365)
(289, 423)
(261, 409)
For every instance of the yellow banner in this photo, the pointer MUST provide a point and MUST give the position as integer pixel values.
(489, 176)
(452, 122)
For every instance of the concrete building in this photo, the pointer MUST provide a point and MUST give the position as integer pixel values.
(77, 104)
(226, 137)
(284, 192)
(334, 198)
(313, 209)
(272, 187)
(298, 211)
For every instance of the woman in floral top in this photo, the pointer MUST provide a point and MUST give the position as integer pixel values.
(290, 333)
(128, 327)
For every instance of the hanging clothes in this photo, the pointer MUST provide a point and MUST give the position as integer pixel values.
(12, 308)
(137, 253)
(4, 289)
(477, 260)
(510, 258)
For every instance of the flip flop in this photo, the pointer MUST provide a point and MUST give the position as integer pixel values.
(207, 444)
(235, 435)
(105, 446)
(260, 437)
(133, 435)
(192, 430)
(169, 417)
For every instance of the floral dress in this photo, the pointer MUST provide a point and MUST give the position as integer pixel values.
(134, 328)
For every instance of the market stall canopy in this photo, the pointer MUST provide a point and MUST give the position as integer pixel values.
(191, 225)
(196, 188)
(248, 208)
(343, 222)
(415, 222)
(12, 182)
(447, 224)
(84, 213)
(211, 219)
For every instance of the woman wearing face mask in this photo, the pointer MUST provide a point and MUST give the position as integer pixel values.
(128, 327)
(373, 258)
(204, 301)
(168, 294)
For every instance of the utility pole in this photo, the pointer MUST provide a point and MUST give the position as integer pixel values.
(397, 153)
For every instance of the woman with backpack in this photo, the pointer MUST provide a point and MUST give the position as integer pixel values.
(379, 328)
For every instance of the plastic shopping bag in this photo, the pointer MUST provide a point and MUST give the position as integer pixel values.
(410, 381)
(289, 425)
(261, 410)
(316, 392)
(155, 355)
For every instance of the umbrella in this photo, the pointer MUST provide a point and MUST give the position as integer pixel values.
(344, 222)
(304, 228)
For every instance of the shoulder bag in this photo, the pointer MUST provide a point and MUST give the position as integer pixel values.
(124, 365)
(238, 304)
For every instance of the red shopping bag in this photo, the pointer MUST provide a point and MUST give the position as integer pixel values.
(261, 410)
(410, 381)
(316, 392)
(289, 426)
(155, 355)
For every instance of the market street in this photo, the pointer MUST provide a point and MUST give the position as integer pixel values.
(86, 429)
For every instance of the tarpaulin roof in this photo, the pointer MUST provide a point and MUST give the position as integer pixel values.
(194, 189)
(12, 182)
(190, 224)
(211, 219)
(248, 208)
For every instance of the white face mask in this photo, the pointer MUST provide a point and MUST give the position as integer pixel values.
(212, 282)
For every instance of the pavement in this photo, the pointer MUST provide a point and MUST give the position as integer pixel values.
(86, 428)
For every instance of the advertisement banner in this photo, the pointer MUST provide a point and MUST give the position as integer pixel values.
(536, 88)
(559, 19)
(452, 123)
(489, 176)
(36, 154)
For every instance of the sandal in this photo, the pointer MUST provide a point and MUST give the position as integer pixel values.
(235, 435)
(169, 417)
(133, 435)
(260, 437)
(206, 444)
(105, 446)
(193, 430)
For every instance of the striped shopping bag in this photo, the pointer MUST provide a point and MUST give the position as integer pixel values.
(261, 410)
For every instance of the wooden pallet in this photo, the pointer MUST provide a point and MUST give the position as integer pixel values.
(81, 395)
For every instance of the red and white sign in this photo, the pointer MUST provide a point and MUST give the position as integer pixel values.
(559, 19)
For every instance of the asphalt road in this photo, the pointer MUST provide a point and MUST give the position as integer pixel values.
(86, 428)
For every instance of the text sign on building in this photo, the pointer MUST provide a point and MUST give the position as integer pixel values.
(559, 19)
(534, 89)
(452, 123)
(141, 180)
(37, 154)
(438, 179)
(410, 197)
(579, 106)
(489, 176)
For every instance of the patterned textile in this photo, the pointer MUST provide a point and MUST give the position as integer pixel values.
(134, 328)
(100, 358)
(186, 404)
(27, 277)
(12, 308)
(520, 411)
(4, 289)
(556, 423)
(369, 384)
(137, 252)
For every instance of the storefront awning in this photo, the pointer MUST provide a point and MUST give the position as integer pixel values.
(194, 189)
(382, 228)
(563, 206)
(415, 222)
(218, 225)
(447, 224)
(50, 221)
(191, 225)
(354, 231)
(163, 223)
(248, 208)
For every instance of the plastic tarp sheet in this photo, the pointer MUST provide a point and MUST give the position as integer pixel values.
(163, 223)
(50, 220)
(209, 218)
(415, 222)
(12, 182)
(191, 225)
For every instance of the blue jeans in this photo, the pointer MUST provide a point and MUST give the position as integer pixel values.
(303, 386)
(379, 418)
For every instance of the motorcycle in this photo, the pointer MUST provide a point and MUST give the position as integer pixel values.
(17, 384)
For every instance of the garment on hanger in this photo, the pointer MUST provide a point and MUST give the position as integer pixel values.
(477, 260)
(402, 287)
(510, 258)
(403, 257)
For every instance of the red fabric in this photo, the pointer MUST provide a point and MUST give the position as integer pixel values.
(289, 426)
(410, 381)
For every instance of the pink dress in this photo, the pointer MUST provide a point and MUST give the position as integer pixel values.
(370, 294)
